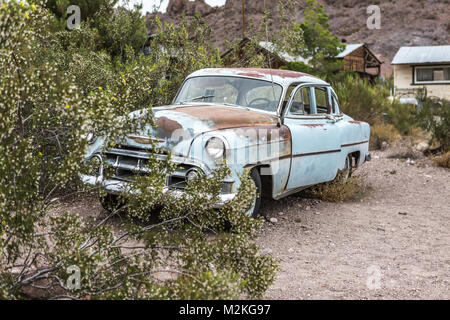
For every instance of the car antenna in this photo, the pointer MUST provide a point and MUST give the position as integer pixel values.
(270, 64)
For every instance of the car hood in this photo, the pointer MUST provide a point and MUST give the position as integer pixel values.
(178, 125)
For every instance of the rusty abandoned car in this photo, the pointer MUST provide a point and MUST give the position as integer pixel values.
(285, 127)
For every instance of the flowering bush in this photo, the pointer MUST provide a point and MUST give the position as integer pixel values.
(54, 91)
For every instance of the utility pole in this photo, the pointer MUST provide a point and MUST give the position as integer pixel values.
(243, 19)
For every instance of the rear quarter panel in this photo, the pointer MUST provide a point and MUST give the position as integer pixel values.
(355, 138)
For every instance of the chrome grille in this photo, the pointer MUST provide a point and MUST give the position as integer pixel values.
(128, 162)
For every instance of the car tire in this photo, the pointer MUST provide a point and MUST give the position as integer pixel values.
(347, 171)
(256, 178)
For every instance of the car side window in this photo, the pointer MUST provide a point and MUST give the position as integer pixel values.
(297, 104)
(301, 102)
(306, 100)
(335, 104)
(322, 105)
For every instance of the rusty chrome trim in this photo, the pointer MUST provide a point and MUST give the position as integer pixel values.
(115, 186)
(315, 153)
(268, 161)
(354, 144)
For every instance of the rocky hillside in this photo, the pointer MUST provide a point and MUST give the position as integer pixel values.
(403, 22)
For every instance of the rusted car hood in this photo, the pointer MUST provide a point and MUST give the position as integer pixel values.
(203, 118)
(177, 125)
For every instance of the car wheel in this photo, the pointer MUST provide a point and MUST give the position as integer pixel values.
(254, 208)
(347, 171)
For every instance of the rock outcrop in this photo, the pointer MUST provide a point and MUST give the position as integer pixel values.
(403, 22)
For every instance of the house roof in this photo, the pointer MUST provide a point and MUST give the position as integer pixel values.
(349, 48)
(269, 46)
(426, 54)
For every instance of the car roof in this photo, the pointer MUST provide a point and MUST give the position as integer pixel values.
(283, 77)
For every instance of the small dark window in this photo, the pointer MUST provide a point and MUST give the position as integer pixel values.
(424, 74)
(433, 74)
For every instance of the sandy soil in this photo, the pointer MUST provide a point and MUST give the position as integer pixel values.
(392, 244)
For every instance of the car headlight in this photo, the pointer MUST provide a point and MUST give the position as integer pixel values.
(215, 148)
(90, 138)
(94, 165)
(192, 175)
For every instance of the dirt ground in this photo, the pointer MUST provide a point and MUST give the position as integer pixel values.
(394, 243)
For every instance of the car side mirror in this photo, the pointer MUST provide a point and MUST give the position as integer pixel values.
(330, 117)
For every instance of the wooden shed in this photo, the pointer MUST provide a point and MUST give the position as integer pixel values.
(358, 58)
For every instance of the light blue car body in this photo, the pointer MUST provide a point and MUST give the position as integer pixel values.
(290, 151)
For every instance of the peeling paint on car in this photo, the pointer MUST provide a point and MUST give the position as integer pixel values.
(296, 152)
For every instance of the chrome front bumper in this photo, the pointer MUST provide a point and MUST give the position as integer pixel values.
(119, 187)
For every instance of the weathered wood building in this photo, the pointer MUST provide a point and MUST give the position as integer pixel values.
(358, 58)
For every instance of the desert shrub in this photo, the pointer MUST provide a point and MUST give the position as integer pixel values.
(402, 116)
(434, 117)
(361, 100)
(47, 115)
(339, 190)
(371, 103)
(382, 132)
(297, 66)
(442, 160)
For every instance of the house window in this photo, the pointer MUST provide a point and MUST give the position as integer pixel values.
(439, 74)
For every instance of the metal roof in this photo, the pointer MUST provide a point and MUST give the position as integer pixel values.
(269, 46)
(349, 48)
(426, 54)
(283, 77)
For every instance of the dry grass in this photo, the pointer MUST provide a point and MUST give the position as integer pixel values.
(442, 160)
(339, 191)
(383, 132)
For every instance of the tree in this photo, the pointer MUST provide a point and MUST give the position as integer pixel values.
(46, 116)
(89, 8)
(320, 44)
(287, 40)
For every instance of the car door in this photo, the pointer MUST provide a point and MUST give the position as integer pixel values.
(315, 136)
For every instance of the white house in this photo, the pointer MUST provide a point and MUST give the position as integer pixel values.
(418, 67)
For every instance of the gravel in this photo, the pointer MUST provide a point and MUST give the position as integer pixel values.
(395, 244)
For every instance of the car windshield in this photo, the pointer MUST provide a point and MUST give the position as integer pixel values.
(244, 92)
